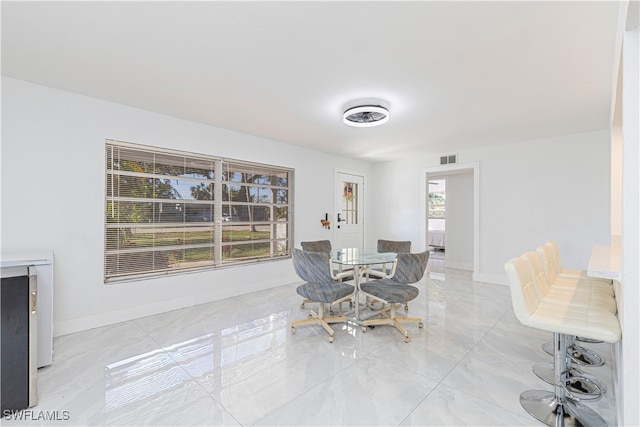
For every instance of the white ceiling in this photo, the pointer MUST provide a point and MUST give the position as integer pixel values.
(454, 75)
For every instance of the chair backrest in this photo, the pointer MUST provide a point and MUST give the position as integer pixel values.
(540, 281)
(524, 297)
(555, 259)
(394, 246)
(312, 267)
(547, 257)
(316, 246)
(410, 267)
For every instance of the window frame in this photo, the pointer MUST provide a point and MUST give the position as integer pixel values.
(268, 238)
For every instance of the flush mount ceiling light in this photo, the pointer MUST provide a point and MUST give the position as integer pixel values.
(366, 116)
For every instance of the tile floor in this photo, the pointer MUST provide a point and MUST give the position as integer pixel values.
(236, 362)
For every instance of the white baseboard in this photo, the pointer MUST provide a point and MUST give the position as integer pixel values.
(71, 326)
(496, 279)
(459, 265)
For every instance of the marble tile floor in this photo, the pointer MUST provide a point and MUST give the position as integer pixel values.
(235, 362)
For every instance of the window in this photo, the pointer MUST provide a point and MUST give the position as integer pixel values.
(170, 211)
(350, 203)
(437, 199)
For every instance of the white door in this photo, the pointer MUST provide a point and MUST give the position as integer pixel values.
(349, 224)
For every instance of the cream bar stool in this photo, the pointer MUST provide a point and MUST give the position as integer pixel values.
(581, 383)
(577, 295)
(572, 293)
(566, 290)
(560, 407)
(554, 270)
(568, 272)
(550, 255)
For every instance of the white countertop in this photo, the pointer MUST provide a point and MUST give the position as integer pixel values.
(25, 258)
(605, 260)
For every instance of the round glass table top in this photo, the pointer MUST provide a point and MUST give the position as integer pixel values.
(361, 256)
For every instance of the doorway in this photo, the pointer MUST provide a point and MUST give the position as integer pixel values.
(436, 222)
(454, 238)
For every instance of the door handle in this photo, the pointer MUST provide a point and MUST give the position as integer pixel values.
(339, 218)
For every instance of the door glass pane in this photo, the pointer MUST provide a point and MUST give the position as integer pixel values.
(350, 202)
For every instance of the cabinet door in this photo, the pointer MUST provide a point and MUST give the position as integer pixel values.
(14, 342)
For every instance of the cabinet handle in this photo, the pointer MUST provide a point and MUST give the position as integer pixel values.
(33, 302)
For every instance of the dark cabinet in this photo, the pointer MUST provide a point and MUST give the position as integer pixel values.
(18, 338)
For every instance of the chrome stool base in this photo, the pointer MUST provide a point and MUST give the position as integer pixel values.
(544, 407)
(589, 340)
(581, 385)
(578, 354)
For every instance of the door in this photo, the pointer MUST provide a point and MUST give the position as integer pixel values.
(349, 200)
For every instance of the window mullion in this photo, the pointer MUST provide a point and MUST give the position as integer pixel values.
(217, 212)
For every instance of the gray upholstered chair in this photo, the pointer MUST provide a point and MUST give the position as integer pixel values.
(316, 246)
(408, 269)
(340, 272)
(394, 245)
(321, 286)
(384, 271)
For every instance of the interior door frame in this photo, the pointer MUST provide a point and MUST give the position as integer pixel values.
(336, 207)
(444, 170)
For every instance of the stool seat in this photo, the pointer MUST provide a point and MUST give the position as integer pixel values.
(551, 313)
(565, 291)
(595, 324)
(554, 269)
(581, 298)
(585, 286)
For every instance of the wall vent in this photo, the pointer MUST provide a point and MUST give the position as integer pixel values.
(449, 159)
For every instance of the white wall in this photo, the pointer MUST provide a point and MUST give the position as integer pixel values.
(630, 300)
(459, 234)
(616, 180)
(400, 197)
(555, 188)
(53, 180)
(437, 224)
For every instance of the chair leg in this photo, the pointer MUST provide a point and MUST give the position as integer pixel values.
(390, 318)
(319, 319)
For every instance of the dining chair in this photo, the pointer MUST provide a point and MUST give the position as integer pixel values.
(321, 286)
(316, 246)
(341, 272)
(394, 245)
(409, 269)
(384, 271)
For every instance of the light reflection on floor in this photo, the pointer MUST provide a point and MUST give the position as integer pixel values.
(236, 362)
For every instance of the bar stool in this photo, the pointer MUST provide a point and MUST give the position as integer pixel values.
(552, 253)
(578, 295)
(587, 386)
(550, 256)
(563, 319)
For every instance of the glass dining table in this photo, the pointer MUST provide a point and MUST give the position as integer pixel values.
(360, 258)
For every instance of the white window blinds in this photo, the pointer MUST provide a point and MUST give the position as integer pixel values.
(169, 211)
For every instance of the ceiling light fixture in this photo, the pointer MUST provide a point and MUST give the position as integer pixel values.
(366, 116)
